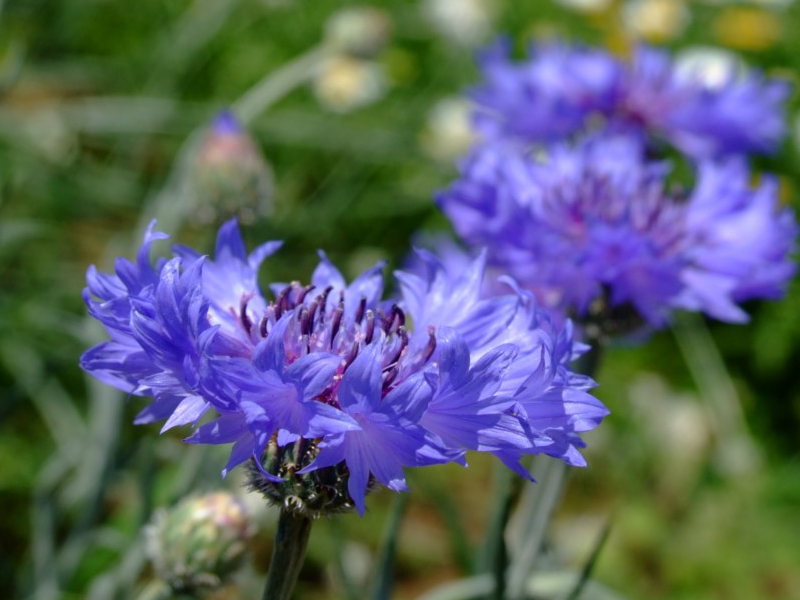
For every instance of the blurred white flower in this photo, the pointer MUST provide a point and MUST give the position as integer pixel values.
(359, 30)
(655, 20)
(463, 22)
(677, 427)
(47, 131)
(711, 65)
(448, 134)
(585, 5)
(345, 83)
(764, 3)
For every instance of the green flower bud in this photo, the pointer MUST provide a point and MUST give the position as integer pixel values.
(196, 544)
(228, 175)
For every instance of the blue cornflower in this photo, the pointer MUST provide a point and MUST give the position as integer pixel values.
(561, 90)
(326, 388)
(591, 229)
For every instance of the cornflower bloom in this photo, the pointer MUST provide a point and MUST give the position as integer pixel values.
(326, 388)
(592, 230)
(561, 90)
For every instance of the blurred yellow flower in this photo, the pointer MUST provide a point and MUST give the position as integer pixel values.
(747, 28)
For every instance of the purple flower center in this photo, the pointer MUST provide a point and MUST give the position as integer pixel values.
(319, 323)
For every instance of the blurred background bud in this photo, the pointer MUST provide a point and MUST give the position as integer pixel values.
(585, 5)
(47, 132)
(196, 545)
(679, 432)
(656, 20)
(463, 22)
(228, 175)
(361, 31)
(346, 82)
(448, 134)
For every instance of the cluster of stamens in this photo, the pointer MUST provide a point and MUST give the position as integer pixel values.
(316, 328)
(319, 325)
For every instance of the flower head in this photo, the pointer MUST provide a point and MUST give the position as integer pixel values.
(592, 227)
(561, 90)
(547, 97)
(327, 388)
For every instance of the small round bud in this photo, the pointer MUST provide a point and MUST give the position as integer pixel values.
(656, 21)
(448, 133)
(228, 175)
(196, 544)
(461, 22)
(359, 30)
(346, 82)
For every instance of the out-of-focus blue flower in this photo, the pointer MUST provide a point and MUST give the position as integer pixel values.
(328, 381)
(561, 90)
(547, 97)
(593, 223)
(740, 242)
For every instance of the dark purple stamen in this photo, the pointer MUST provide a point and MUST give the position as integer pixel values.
(312, 311)
(324, 301)
(389, 377)
(243, 317)
(262, 326)
(370, 327)
(305, 321)
(431, 346)
(362, 306)
(403, 345)
(399, 316)
(285, 303)
(336, 321)
(279, 301)
(302, 295)
(351, 356)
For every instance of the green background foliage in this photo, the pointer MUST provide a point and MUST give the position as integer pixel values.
(698, 469)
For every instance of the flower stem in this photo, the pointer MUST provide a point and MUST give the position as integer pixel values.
(278, 83)
(495, 557)
(288, 553)
(535, 513)
(538, 502)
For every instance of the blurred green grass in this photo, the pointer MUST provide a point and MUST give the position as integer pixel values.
(96, 101)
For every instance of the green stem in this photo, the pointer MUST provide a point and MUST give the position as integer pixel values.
(586, 572)
(288, 553)
(384, 576)
(535, 513)
(495, 558)
(539, 501)
(737, 453)
(277, 84)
